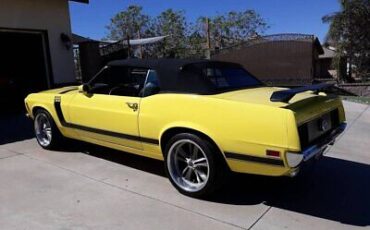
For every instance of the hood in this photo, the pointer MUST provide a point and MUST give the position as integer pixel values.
(261, 96)
(62, 90)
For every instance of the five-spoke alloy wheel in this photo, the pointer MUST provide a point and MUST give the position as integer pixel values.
(192, 165)
(188, 165)
(46, 132)
(43, 129)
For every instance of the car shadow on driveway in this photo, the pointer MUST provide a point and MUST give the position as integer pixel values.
(334, 189)
(130, 160)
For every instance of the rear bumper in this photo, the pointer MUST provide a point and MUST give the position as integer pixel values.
(321, 145)
(297, 161)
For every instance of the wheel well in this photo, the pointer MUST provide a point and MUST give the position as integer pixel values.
(168, 134)
(34, 110)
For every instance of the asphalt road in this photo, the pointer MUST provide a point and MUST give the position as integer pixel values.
(88, 187)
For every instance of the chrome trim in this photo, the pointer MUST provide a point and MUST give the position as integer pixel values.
(317, 148)
(293, 159)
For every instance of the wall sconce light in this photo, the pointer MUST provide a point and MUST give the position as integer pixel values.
(67, 41)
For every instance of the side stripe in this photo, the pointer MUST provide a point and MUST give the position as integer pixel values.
(60, 115)
(262, 160)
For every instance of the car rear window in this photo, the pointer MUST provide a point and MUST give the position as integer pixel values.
(225, 77)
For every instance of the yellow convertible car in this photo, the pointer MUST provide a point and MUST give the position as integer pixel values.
(201, 117)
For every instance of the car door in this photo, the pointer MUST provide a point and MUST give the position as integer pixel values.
(109, 112)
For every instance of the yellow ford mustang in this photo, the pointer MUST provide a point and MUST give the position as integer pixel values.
(201, 117)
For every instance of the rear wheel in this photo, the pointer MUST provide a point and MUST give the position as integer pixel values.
(46, 132)
(193, 165)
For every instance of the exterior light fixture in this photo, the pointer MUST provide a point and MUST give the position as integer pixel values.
(67, 41)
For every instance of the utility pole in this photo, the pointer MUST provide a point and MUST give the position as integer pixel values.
(347, 28)
(128, 46)
(208, 49)
(140, 46)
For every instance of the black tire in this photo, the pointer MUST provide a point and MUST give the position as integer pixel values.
(217, 168)
(56, 139)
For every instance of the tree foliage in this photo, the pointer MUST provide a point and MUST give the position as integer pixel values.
(185, 39)
(173, 24)
(349, 32)
(233, 27)
(130, 22)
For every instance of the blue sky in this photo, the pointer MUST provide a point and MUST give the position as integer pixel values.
(283, 16)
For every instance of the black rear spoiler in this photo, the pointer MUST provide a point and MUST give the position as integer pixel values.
(286, 95)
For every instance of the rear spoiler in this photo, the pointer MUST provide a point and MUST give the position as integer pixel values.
(286, 95)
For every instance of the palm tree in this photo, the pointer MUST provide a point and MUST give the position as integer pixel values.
(337, 36)
(349, 32)
(336, 20)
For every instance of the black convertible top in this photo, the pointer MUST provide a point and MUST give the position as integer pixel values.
(153, 63)
(172, 74)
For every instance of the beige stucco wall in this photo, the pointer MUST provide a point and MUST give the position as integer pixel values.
(51, 16)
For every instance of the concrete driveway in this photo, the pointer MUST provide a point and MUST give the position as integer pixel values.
(88, 187)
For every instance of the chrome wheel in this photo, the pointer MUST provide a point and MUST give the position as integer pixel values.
(43, 129)
(188, 165)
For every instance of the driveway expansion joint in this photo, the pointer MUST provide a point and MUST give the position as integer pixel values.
(263, 214)
(348, 127)
(2, 158)
(357, 117)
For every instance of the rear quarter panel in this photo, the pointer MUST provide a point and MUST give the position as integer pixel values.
(235, 127)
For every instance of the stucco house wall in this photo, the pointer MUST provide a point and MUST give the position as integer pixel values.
(51, 16)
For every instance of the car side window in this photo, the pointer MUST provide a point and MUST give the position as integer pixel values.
(119, 81)
(151, 86)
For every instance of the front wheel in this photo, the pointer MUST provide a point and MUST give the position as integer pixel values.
(46, 132)
(193, 165)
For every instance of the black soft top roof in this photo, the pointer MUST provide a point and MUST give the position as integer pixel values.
(153, 63)
(171, 74)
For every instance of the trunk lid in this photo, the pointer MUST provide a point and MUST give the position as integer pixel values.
(261, 95)
(305, 105)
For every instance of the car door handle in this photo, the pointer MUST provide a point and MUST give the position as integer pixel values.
(133, 106)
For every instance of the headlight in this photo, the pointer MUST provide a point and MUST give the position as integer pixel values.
(294, 159)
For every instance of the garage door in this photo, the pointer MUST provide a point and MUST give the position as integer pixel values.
(24, 67)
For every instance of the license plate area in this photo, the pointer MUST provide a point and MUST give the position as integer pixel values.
(313, 130)
(319, 127)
